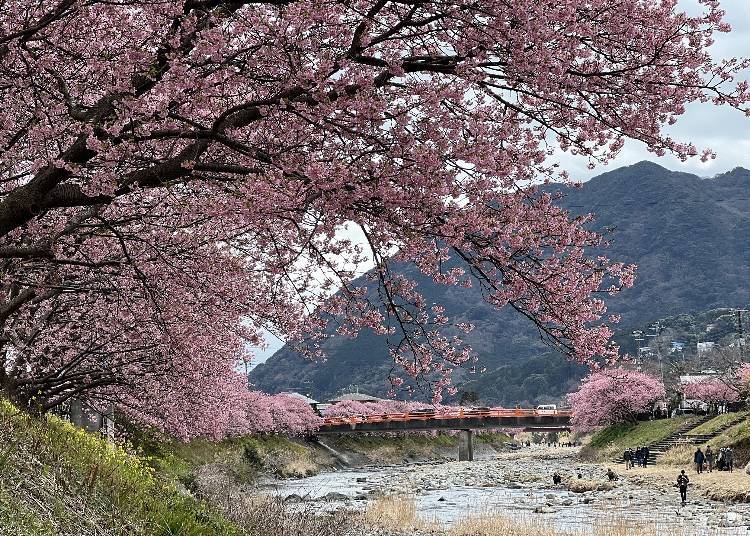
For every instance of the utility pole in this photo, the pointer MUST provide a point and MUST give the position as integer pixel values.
(638, 337)
(741, 342)
(656, 328)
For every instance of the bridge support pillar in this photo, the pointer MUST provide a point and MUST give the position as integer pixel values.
(465, 446)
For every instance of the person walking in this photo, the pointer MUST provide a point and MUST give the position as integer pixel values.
(628, 457)
(699, 458)
(646, 452)
(729, 454)
(682, 483)
(710, 459)
(639, 456)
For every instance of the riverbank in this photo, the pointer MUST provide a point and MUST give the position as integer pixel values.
(201, 465)
(517, 488)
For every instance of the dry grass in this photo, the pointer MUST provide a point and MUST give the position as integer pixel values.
(678, 456)
(582, 485)
(492, 525)
(398, 513)
(719, 485)
(268, 516)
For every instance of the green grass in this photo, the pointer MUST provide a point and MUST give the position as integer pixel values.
(58, 480)
(613, 440)
(717, 423)
(632, 435)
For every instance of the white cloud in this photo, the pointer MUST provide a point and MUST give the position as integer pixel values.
(722, 129)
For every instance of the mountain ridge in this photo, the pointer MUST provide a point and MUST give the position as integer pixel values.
(685, 233)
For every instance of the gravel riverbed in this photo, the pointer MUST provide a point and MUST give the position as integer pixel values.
(519, 485)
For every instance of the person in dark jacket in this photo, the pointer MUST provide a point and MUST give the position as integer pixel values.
(710, 459)
(699, 458)
(682, 483)
(628, 457)
(646, 452)
(729, 455)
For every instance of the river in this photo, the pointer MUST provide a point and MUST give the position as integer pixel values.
(519, 485)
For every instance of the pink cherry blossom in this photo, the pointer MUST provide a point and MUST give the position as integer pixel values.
(611, 396)
(176, 178)
(712, 391)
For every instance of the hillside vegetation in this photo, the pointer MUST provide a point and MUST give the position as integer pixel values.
(58, 480)
(681, 230)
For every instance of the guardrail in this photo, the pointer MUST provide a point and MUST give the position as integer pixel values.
(453, 414)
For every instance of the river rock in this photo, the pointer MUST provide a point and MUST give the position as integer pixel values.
(293, 498)
(361, 479)
(544, 510)
(334, 497)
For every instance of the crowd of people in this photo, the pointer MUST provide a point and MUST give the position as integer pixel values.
(637, 457)
(710, 460)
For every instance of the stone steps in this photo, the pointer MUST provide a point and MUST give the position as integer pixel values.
(681, 437)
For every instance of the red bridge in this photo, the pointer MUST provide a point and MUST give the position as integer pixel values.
(465, 420)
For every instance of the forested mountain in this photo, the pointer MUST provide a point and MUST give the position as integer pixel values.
(689, 236)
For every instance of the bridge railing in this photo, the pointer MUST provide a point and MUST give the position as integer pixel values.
(450, 414)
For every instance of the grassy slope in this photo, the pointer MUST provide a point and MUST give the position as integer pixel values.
(736, 437)
(247, 457)
(717, 422)
(612, 440)
(57, 480)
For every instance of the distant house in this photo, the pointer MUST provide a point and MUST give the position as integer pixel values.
(704, 347)
(356, 397)
(676, 346)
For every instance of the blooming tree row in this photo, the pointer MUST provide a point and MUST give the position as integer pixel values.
(612, 396)
(711, 391)
(175, 177)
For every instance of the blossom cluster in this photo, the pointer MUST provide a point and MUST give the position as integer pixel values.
(176, 179)
(611, 396)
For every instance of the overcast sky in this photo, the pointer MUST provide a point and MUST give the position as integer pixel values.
(724, 130)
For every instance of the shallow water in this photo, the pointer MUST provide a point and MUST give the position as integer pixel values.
(451, 503)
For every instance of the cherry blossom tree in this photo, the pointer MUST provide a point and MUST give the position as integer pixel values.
(611, 396)
(176, 176)
(712, 391)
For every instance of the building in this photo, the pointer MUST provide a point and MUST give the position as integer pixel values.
(355, 397)
(704, 347)
(676, 346)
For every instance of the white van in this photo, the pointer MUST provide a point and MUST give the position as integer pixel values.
(546, 409)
